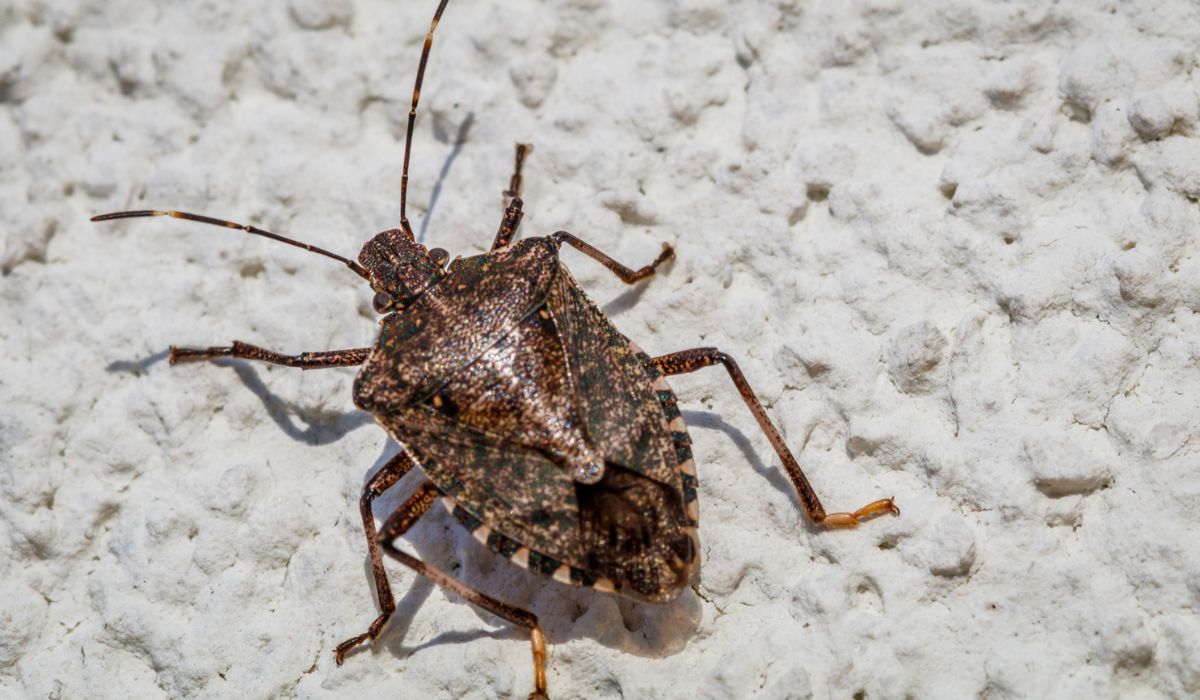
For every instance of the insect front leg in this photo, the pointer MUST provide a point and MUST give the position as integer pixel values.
(245, 351)
(401, 521)
(627, 275)
(512, 215)
(691, 360)
(514, 183)
(392, 472)
(508, 224)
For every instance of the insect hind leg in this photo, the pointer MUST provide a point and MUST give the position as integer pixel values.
(388, 476)
(697, 358)
(401, 521)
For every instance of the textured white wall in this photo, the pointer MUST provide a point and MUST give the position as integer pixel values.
(952, 244)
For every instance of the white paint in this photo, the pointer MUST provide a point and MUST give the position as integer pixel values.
(953, 246)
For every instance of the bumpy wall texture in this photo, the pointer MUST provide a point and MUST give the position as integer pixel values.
(953, 245)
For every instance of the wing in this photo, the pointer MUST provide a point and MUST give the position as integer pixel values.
(626, 534)
(636, 533)
(495, 437)
(514, 488)
(612, 388)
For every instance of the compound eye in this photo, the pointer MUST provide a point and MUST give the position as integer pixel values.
(382, 302)
(439, 256)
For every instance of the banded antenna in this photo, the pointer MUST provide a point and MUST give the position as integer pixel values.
(358, 269)
(412, 118)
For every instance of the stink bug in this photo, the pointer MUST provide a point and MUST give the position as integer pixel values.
(546, 432)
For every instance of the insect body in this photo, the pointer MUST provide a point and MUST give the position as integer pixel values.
(544, 430)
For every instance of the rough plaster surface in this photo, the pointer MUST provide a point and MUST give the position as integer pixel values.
(953, 245)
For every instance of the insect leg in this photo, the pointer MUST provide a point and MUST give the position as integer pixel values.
(627, 275)
(691, 360)
(387, 477)
(403, 519)
(245, 351)
(512, 215)
(508, 224)
(514, 183)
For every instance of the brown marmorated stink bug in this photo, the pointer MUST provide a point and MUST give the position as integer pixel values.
(545, 431)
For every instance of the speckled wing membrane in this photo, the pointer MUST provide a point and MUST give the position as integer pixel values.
(611, 385)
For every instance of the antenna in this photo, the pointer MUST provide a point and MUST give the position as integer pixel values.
(412, 118)
(358, 269)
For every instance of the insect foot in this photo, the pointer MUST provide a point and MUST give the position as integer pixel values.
(686, 361)
(872, 509)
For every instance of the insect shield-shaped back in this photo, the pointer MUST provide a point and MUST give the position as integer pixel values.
(543, 425)
(445, 322)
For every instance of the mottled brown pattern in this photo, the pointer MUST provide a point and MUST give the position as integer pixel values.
(409, 513)
(516, 489)
(635, 532)
(536, 421)
(399, 267)
(512, 550)
(611, 386)
(508, 224)
(502, 407)
(518, 392)
(477, 302)
(657, 574)
(673, 421)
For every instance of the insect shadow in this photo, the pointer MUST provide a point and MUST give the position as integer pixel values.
(625, 301)
(704, 419)
(459, 140)
(321, 427)
(653, 630)
(136, 367)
